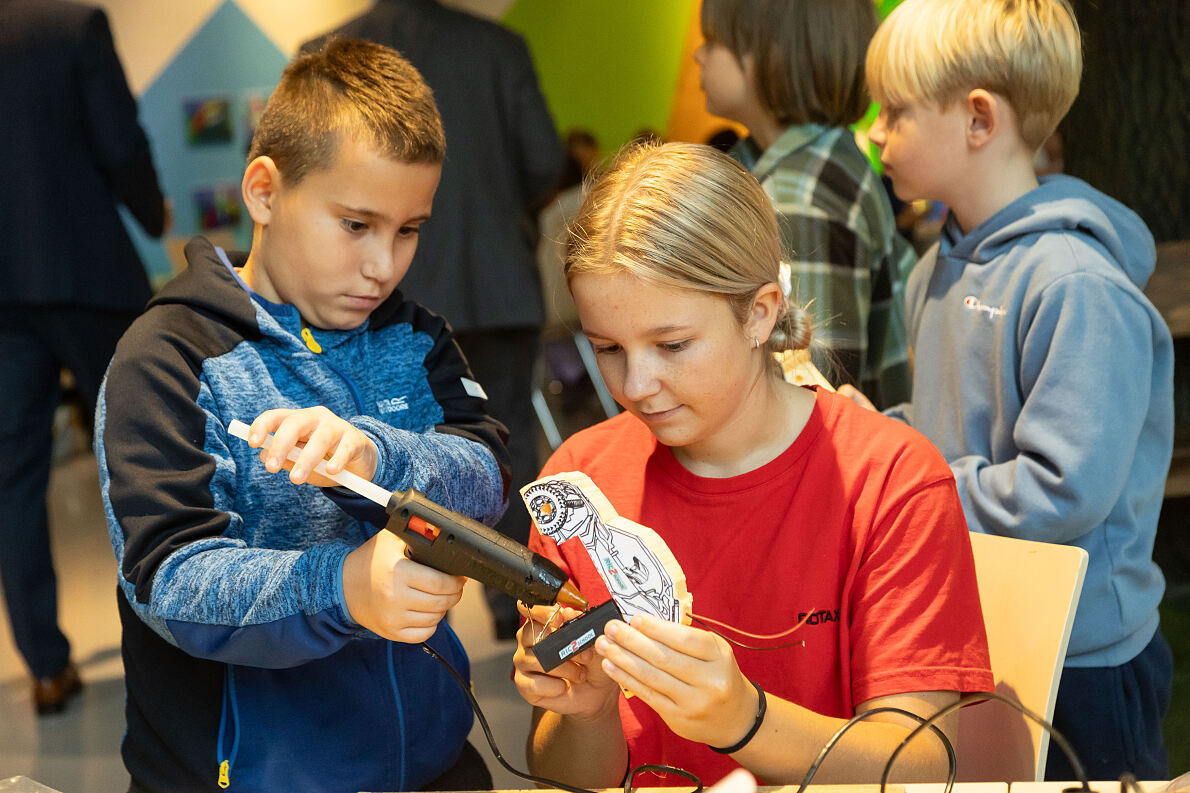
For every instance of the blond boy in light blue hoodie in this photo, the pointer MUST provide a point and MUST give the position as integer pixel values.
(1041, 371)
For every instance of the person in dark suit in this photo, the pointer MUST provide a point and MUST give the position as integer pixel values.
(475, 264)
(71, 149)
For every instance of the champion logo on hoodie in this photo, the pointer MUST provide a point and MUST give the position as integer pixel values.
(973, 303)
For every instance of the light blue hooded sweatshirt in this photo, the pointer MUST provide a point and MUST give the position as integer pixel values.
(1045, 377)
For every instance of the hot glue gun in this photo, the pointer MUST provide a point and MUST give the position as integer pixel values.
(455, 544)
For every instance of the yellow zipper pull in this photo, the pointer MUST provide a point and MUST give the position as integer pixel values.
(313, 344)
(224, 775)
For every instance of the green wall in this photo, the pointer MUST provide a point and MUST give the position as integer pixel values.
(610, 66)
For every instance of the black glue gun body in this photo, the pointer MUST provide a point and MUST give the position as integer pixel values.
(455, 544)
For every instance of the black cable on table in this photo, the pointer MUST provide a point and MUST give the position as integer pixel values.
(1075, 764)
(952, 767)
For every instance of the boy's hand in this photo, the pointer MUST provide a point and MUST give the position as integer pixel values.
(320, 435)
(576, 688)
(856, 396)
(689, 676)
(394, 596)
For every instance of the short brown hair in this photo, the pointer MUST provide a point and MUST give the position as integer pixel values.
(350, 86)
(808, 55)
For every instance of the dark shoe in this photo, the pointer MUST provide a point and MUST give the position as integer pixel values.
(51, 694)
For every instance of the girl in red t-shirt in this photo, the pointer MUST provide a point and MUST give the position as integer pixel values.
(849, 517)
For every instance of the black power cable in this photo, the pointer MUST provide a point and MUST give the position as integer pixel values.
(952, 766)
(923, 724)
(654, 768)
(969, 699)
(487, 730)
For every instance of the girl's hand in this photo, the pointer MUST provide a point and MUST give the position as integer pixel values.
(577, 688)
(320, 435)
(856, 396)
(689, 676)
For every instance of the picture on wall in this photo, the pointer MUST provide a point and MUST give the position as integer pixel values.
(253, 108)
(208, 120)
(218, 207)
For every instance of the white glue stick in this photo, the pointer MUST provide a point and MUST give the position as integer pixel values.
(353, 482)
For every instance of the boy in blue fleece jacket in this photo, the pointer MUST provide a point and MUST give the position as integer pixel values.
(1041, 371)
(270, 641)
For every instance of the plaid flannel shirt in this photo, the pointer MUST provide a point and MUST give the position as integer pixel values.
(846, 257)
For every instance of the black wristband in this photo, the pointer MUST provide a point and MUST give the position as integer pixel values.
(762, 705)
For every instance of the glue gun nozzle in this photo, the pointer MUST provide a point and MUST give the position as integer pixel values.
(569, 595)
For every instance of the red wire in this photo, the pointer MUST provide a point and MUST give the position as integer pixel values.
(762, 637)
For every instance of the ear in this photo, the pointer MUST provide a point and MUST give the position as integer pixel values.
(747, 64)
(766, 308)
(260, 187)
(985, 117)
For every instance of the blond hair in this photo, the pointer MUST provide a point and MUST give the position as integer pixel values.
(1028, 51)
(685, 216)
(808, 55)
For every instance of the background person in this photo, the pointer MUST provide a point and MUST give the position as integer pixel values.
(71, 152)
(791, 71)
(1031, 296)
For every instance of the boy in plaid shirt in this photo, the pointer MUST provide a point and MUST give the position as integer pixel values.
(792, 72)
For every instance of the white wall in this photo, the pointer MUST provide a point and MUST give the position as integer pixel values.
(149, 33)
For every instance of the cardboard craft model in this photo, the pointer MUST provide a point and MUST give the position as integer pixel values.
(797, 368)
(639, 569)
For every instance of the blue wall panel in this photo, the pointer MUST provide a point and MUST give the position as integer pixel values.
(228, 58)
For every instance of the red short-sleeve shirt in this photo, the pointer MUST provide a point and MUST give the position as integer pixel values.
(857, 524)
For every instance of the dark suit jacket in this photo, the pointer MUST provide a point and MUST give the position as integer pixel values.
(70, 150)
(475, 262)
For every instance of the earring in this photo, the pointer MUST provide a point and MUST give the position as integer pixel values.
(755, 343)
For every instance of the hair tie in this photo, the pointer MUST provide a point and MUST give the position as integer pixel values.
(762, 705)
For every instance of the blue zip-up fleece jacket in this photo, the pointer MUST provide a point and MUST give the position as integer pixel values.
(240, 657)
(1045, 377)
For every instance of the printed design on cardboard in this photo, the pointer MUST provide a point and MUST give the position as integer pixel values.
(639, 569)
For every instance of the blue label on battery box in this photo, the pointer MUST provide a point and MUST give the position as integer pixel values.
(576, 645)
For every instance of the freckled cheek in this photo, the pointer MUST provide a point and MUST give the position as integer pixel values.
(719, 373)
(681, 380)
(613, 375)
(650, 377)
